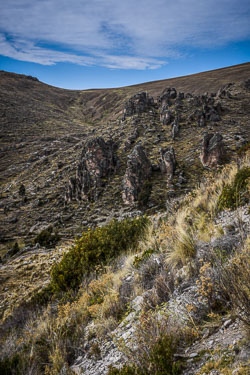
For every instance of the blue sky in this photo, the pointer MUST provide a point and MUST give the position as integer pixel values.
(83, 44)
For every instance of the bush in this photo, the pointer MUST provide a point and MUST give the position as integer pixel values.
(235, 195)
(243, 149)
(159, 361)
(95, 249)
(47, 238)
(141, 258)
(233, 283)
(125, 370)
(11, 366)
(153, 345)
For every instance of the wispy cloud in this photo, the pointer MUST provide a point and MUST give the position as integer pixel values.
(26, 51)
(127, 34)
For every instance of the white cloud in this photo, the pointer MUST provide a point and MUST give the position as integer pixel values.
(24, 51)
(124, 34)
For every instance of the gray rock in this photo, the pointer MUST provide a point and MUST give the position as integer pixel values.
(213, 150)
(138, 104)
(138, 171)
(168, 162)
(98, 161)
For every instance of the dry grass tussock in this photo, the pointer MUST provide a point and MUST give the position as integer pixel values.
(194, 220)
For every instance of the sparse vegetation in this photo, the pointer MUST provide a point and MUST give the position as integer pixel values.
(47, 237)
(95, 249)
(155, 342)
(234, 282)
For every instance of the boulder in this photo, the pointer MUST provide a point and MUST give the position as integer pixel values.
(213, 151)
(98, 161)
(138, 171)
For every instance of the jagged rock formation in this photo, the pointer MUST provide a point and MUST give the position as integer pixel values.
(175, 128)
(138, 103)
(224, 92)
(164, 102)
(207, 109)
(213, 151)
(165, 116)
(131, 139)
(168, 162)
(138, 171)
(168, 94)
(98, 161)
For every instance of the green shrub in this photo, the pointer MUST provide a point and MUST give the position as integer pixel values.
(159, 361)
(140, 258)
(47, 238)
(95, 249)
(243, 149)
(162, 357)
(235, 195)
(11, 366)
(125, 370)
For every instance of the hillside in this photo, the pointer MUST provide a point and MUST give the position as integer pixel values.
(43, 130)
(166, 293)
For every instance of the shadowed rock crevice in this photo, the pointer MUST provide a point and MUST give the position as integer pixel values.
(98, 162)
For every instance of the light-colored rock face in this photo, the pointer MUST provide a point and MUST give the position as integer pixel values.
(98, 161)
(138, 171)
(213, 151)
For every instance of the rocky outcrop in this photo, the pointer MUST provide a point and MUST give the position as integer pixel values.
(168, 162)
(165, 116)
(213, 151)
(207, 109)
(131, 139)
(175, 128)
(168, 94)
(224, 92)
(98, 161)
(138, 171)
(164, 101)
(138, 104)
